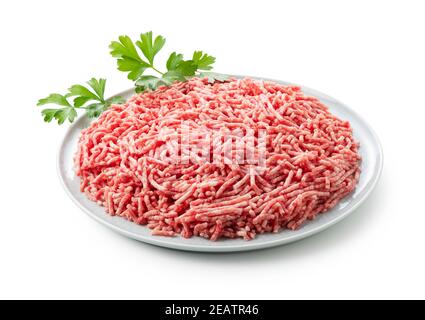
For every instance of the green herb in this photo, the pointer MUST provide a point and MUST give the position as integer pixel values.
(178, 69)
(134, 59)
(92, 101)
(213, 77)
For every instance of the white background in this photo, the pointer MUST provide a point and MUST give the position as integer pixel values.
(369, 54)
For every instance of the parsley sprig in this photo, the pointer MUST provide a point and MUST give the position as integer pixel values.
(78, 97)
(178, 69)
(133, 58)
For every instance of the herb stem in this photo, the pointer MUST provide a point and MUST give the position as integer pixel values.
(153, 68)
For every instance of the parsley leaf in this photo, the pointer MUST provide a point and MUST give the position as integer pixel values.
(149, 82)
(202, 60)
(55, 98)
(115, 100)
(98, 86)
(95, 109)
(178, 69)
(173, 75)
(48, 114)
(174, 60)
(65, 114)
(129, 59)
(186, 68)
(81, 95)
(84, 94)
(60, 114)
(149, 48)
(213, 77)
(124, 48)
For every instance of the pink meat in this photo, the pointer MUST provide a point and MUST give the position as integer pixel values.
(311, 158)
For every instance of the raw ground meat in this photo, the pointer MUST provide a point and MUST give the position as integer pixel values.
(134, 160)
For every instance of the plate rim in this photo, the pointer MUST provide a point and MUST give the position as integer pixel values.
(250, 245)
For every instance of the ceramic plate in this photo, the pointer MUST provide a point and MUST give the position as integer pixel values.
(371, 166)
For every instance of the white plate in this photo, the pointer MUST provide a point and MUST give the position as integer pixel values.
(371, 166)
